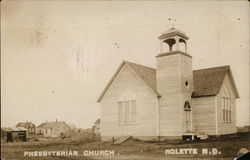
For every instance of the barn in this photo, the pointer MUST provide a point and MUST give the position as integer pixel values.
(171, 101)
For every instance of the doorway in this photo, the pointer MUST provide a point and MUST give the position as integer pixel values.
(187, 117)
(9, 137)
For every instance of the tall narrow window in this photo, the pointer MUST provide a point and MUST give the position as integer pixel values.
(120, 113)
(187, 116)
(127, 112)
(226, 106)
(223, 109)
(133, 112)
(229, 111)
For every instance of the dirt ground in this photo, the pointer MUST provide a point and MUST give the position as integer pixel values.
(130, 150)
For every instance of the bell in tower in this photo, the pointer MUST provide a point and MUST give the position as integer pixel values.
(173, 40)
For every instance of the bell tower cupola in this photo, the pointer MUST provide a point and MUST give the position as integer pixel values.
(173, 40)
(174, 78)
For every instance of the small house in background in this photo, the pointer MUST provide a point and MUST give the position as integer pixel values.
(13, 134)
(96, 127)
(31, 127)
(53, 129)
(88, 130)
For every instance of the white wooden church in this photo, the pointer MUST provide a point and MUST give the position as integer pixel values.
(169, 102)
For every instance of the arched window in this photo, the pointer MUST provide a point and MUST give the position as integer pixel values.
(174, 44)
(182, 45)
(187, 116)
(226, 105)
(165, 47)
(187, 106)
(171, 42)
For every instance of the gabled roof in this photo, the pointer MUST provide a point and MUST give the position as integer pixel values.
(25, 124)
(208, 82)
(146, 74)
(52, 124)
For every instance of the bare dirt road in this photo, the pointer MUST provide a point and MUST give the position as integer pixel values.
(130, 150)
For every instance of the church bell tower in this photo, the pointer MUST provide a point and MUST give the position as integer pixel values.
(174, 84)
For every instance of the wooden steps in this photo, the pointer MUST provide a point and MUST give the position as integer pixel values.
(122, 140)
(202, 135)
(199, 135)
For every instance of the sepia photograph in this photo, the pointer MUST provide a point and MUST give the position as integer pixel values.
(125, 80)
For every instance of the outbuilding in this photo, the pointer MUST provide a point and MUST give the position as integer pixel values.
(13, 134)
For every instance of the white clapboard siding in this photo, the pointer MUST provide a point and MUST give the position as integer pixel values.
(172, 72)
(186, 74)
(168, 86)
(204, 115)
(226, 127)
(146, 107)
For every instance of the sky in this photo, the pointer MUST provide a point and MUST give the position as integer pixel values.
(57, 56)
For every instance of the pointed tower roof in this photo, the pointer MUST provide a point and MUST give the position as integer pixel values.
(173, 32)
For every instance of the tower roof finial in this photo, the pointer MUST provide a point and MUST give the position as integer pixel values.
(172, 21)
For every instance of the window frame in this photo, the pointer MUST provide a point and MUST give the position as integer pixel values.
(126, 113)
(226, 104)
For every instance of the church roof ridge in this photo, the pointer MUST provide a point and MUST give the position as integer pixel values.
(202, 69)
(207, 81)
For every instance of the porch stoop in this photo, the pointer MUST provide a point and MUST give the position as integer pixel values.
(194, 136)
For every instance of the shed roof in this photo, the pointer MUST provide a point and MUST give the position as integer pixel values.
(207, 82)
(52, 124)
(9, 129)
